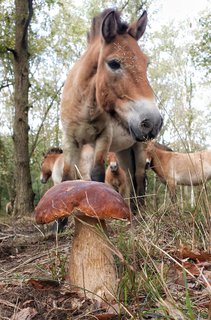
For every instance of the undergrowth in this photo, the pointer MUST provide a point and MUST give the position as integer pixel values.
(155, 280)
(160, 284)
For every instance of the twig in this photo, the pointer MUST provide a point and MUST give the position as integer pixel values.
(9, 304)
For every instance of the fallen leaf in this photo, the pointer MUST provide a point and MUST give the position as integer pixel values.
(184, 252)
(191, 267)
(43, 284)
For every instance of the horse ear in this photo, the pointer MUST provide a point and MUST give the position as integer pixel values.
(109, 27)
(137, 29)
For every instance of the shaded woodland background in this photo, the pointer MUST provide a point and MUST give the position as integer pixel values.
(39, 42)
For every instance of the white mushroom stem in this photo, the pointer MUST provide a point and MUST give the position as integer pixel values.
(91, 266)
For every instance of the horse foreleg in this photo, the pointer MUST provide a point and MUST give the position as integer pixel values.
(86, 160)
(141, 186)
(102, 146)
(126, 161)
(71, 158)
(140, 172)
(172, 191)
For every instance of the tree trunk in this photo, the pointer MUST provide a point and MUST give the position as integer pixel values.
(23, 186)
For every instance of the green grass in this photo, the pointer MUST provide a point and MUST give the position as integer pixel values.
(148, 249)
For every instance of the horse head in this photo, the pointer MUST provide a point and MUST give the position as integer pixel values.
(45, 170)
(149, 151)
(49, 159)
(113, 162)
(122, 87)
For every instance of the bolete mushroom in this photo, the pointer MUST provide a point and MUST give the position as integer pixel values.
(91, 264)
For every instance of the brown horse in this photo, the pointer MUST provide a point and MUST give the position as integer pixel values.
(174, 168)
(116, 177)
(9, 207)
(107, 100)
(53, 164)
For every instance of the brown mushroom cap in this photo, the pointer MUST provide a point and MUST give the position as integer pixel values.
(94, 199)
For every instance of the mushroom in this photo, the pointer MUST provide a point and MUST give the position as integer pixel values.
(91, 264)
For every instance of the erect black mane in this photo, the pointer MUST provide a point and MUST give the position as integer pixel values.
(52, 150)
(97, 21)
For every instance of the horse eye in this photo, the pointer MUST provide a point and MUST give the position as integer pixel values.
(114, 64)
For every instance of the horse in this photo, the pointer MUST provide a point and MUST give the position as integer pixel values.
(9, 207)
(107, 100)
(53, 165)
(174, 168)
(116, 177)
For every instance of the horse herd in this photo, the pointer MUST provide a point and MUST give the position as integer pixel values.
(172, 168)
(109, 115)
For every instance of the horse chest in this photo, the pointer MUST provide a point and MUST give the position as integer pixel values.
(121, 139)
(115, 183)
(86, 133)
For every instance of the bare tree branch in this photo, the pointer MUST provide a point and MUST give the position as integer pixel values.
(33, 147)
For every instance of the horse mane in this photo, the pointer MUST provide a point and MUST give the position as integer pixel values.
(162, 146)
(53, 150)
(97, 22)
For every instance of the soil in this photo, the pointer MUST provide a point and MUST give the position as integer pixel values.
(32, 275)
(33, 281)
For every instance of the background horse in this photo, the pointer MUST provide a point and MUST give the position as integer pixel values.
(107, 100)
(9, 207)
(174, 168)
(116, 177)
(53, 164)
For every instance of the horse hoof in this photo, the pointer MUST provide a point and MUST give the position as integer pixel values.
(98, 174)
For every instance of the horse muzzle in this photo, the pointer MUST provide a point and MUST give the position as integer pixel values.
(148, 164)
(113, 167)
(43, 180)
(146, 123)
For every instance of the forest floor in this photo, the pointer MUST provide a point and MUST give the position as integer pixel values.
(33, 268)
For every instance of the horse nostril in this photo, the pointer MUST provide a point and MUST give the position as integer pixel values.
(146, 126)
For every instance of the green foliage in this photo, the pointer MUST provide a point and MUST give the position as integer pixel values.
(7, 30)
(201, 51)
(6, 171)
(175, 84)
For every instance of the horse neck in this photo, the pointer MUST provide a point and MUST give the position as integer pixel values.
(52, 159)
(157, 156)
(84, 75)
(87, 65)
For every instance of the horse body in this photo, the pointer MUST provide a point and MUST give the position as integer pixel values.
(174, 168)
(107, 100)
(116, 177)
(191, 168)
